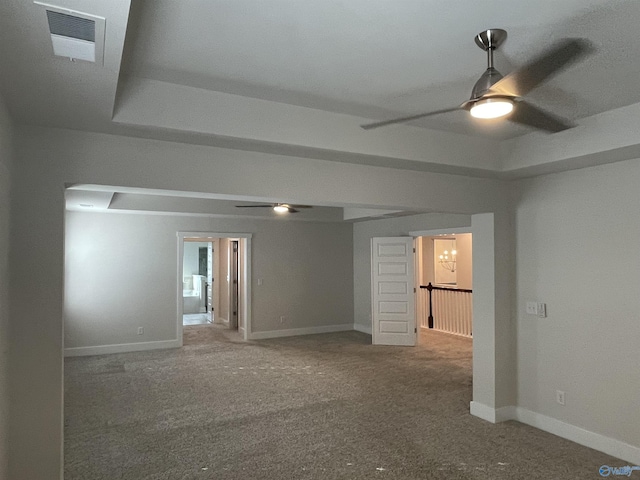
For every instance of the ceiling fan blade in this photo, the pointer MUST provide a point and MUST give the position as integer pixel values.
(370, 126)
(254, 206)
(528, 114)
(299, 206)
(541, 69)
(293, 210)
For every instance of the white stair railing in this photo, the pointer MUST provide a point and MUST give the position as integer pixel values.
(446, 309)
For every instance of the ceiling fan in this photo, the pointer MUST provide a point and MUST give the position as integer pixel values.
(278, 207)
(495, 96)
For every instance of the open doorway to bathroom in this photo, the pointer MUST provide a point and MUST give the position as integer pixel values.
(199, 281)
(214, 282)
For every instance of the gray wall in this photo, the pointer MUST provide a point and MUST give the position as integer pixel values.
(47, 159)
(577, 251)
(363, 232)
(121, 274)
(6, 161)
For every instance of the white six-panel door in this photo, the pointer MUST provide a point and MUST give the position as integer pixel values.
(392, 296)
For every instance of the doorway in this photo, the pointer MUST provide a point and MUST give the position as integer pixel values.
(419, 284)
(199, 281)
(218, 293)
(444, 275)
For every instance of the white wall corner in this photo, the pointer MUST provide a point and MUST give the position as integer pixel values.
(483, 411)
(504, 414)
(121, 348)
(493, 415)
(362, 328)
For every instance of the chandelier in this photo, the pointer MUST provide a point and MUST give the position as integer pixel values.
(448, 260)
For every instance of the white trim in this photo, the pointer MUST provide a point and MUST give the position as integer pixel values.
(362, 328)
(244, 248)
(504, 414)
(493, 415)
(440, 231)
(121, 348)
(292, 332)
(179, 297)
(212, 235)
(610, 446)
(482, 411)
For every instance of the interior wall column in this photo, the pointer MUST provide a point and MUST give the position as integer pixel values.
(493, 331)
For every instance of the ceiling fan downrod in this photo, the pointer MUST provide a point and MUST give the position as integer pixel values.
(488, 41)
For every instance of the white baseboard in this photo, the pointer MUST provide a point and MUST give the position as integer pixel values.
(362, 328)
(505, 413)
(483, 411)
(120, 348)
(292, 332)
(610, 446)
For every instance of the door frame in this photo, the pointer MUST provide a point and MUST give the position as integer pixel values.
(417, 259)
(215, 279)
(244, 251)
(234, 283)
(420, 259)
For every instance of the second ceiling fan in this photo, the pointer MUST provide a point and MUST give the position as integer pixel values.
(495, 96)
(277, 207)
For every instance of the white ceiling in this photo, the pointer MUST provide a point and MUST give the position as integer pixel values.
(299, 77)
(381, 58)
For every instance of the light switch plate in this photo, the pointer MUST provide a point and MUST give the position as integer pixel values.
(532, 308)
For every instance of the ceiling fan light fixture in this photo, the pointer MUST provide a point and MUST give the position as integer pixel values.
(491, 108)
(281, 209)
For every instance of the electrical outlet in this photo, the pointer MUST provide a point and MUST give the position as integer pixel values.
(531, 308)
(282, 319)
(140, 330)
(542, 310)
(560, 397)
(259, 282)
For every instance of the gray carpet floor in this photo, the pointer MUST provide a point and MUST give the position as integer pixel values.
(328, 406)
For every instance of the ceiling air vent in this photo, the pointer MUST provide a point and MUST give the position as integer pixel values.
(75, 35)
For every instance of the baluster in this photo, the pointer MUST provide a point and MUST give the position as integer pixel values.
(430, 288)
